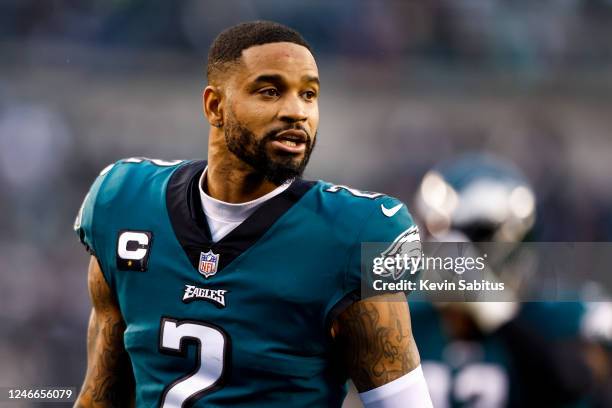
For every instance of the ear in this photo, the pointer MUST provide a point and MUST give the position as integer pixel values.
(212, 104)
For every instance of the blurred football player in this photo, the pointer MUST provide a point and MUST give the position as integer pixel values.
(496, 354)
(233, 282)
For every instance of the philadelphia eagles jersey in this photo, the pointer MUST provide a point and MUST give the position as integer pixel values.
(239, 322)
(460, 373)
(481, 371)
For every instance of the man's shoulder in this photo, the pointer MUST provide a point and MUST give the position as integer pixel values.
(135, 174)
(124, 190)
(373, 215)
(353, 201)
(126, 182)
(133, 169)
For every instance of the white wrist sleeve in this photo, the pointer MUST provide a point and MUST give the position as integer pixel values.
(410, 390)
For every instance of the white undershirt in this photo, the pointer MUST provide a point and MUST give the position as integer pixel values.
(223, 217)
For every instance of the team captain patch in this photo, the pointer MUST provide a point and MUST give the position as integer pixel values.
(215, 296)
(133, 249)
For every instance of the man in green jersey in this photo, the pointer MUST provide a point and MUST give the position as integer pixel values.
(233, 282)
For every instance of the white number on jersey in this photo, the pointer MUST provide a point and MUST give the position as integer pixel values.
(158, 162)
(211, 343)
(355, 192)
(477, 385)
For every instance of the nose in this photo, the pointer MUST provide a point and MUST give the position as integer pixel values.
(293, 109)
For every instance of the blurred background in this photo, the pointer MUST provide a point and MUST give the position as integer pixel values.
(405, 86)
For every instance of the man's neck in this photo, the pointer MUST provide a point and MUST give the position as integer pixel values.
(234, 182)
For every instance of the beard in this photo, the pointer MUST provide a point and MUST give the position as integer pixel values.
(277, 168)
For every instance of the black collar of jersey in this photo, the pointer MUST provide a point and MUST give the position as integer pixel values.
(191, 228)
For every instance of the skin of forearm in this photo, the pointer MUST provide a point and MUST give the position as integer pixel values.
(376, 340)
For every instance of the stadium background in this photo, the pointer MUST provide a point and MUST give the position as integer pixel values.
(405, 84)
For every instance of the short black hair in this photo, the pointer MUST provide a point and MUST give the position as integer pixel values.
(228, 46)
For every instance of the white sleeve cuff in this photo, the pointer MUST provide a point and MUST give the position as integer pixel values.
(410, 390)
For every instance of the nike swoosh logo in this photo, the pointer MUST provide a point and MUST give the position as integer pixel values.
(390, 212)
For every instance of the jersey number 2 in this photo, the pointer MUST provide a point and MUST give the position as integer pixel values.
(210, 356)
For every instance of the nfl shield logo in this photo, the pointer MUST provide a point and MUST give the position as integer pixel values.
(208, 263)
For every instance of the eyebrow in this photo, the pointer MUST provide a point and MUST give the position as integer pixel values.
(268, 78)
(278, 79)
(310, 78)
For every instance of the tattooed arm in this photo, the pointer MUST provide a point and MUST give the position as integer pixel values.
(109, 381)
(375, 337)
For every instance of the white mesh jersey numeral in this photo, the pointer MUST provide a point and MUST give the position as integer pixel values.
(211, 352)
(158, 162)
(354, 191)
(486, 385)
(477, 385)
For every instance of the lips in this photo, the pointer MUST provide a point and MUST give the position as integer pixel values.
(295, 135)
(291, 141)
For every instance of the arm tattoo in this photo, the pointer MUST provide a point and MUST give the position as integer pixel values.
(376, 341)
(109, 381)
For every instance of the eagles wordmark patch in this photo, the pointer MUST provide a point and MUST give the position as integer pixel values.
(214, 296)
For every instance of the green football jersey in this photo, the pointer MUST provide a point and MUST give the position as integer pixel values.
(242, 322)
(481, 371)
(460, 373)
